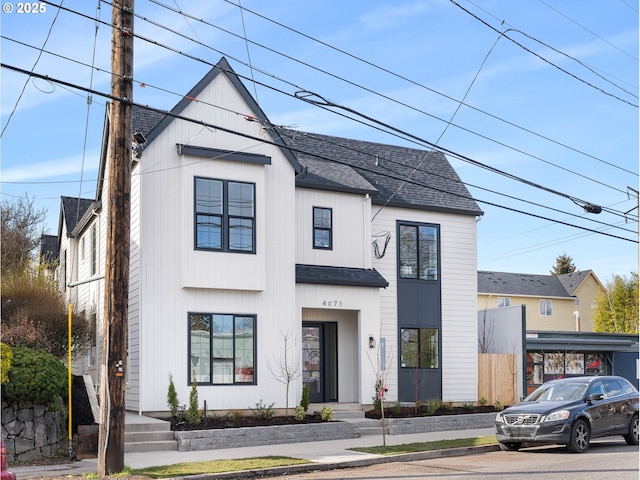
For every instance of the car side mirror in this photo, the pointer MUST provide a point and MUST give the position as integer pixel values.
(595, 396)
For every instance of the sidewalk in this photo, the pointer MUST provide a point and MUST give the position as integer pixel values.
(327, 453)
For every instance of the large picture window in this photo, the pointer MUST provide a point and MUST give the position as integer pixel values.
(419, 252)
(419, 347)
(222, 348)
(224, 215)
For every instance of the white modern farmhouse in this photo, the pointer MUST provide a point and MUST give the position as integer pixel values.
(256, 248)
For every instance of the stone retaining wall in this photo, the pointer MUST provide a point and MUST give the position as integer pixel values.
(255, 436)
(32, 431)
(401, 426)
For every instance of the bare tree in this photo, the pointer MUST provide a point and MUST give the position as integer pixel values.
(486, 334)
(381, 369)
(286, 366)
(22, 228)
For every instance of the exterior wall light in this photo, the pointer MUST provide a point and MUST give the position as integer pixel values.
(372, 342)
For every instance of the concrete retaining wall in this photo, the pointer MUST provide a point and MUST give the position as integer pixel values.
(255, 436)
(32, 431)
(401, 426)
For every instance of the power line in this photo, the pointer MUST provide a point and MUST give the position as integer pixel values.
(544, 59)
(328, 73)
(413, 82)
(26, 82)
(279, 145)
(586, 29)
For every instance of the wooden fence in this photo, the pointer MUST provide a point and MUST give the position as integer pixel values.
(498, 377)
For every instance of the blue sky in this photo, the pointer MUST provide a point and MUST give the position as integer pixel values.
(559, 110)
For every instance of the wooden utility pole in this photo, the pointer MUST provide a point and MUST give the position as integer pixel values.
(116, 295)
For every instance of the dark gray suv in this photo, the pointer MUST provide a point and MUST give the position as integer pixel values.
(571, 411)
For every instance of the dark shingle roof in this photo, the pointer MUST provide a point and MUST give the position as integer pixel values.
(144, 120)
(48, 248)
(523, 284)
(73, 210)
(571, 281)
(434, 186)
(325, 275)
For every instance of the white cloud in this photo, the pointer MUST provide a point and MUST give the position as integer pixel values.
(52, 169)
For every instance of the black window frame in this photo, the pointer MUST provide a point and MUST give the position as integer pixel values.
(422, 357)
(418, 252)
(322, 228)
(211, 367)
(224, 219)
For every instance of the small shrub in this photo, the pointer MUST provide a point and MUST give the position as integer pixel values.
(433, 405)
(236, 414)
(6, 356)
(193, 414)
(497, 405)
(468, 405)
(482, 401)
(304, 402)
(397, 408)
(172, 397)
(35, 376)
(263, 411)
(299, 413)
(326, 414)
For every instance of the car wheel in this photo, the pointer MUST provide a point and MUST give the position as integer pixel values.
(579, 441)
(632, 437)
(510, 446)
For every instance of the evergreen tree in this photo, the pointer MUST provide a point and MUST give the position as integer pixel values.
(564, 264)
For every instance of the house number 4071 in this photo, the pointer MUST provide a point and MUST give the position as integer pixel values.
(332, 303)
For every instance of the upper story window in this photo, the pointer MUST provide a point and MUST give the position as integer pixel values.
(225, 217)
(322, 228)
(504, 302)
(418, 251)
(94, 250)
(419, 347)
(546, 307)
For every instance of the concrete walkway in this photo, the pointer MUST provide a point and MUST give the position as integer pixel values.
(327, 453)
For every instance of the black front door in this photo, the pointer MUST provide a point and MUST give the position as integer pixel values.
(320, 361)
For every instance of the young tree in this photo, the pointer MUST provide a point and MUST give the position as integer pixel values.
(20, 234)
(564, 264)
(617, 308)
(286, 367)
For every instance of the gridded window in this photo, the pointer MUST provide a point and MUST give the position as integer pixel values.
(419, 347)
(221, 348)
(94, 250)
(504, 302)
(418, 252)
(224, 215)
(322, 228)
(546, 307)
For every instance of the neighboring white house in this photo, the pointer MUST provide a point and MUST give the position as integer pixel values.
(249, 237)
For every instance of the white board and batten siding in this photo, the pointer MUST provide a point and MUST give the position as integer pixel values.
(458, 259)
(351, 228)
(189, 280)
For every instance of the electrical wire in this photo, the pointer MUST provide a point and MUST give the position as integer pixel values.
(413, 82)
(24, 87)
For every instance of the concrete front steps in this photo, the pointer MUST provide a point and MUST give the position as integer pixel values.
(353, 413)
(146, 434)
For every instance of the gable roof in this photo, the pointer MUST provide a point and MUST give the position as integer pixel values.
(72, 211)
(49, 250)
(521, 284)
(434, 186)
(342, 164)
(571, 281)
(152, 123)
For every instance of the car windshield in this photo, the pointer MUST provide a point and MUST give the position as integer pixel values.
(558, 391)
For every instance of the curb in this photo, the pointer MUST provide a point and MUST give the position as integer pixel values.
(365, 462)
